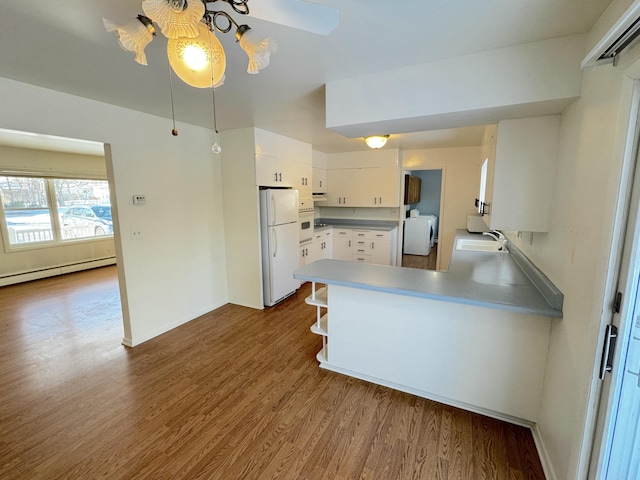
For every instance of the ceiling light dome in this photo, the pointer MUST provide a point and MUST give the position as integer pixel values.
(200, 61)
(377, 141)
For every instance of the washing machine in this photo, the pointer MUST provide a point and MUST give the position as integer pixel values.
(419, 235)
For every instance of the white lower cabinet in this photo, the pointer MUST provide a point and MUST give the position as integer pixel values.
(342, 244)
(373, 246)
(353, 245)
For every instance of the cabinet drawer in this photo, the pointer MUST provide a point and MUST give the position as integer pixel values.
(342, 232)
(372, 234)
(362, 258)
(361, 250)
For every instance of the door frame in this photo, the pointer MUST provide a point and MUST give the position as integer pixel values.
(625, 240)
(405, 171)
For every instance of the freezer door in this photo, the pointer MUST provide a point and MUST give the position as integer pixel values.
(283, 261)
(281, 206)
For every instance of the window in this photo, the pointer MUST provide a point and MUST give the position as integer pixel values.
(40, 210)
(483, 187)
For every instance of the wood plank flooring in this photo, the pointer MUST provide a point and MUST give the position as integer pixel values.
(425, 262)
(234, 394)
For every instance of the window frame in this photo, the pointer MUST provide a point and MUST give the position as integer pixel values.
(54, 214)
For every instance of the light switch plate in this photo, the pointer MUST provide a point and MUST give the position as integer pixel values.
(139, 200)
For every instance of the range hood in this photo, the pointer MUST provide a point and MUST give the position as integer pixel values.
(319, 197)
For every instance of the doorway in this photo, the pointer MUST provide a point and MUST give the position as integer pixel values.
(428, 204)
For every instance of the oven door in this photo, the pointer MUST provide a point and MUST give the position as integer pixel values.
(305, 221)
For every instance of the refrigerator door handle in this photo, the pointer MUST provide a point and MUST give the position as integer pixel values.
(275, 242)
(273, 210)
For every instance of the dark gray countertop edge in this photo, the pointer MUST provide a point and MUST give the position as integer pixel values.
(547, 289)
(348, 223)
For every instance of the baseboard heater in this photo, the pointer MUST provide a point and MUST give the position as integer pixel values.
(53, 271)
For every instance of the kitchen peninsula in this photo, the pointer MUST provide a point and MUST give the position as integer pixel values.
(475, 337)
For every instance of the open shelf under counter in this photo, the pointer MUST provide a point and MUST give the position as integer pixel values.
(320, 328)
(318, 298)
(322, 356)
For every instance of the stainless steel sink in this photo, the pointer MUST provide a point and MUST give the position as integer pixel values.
(477, 245)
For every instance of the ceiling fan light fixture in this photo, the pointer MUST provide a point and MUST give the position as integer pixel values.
(376, 141)
(257, 48)
(200, 61)
(133, 36)
(176, 18)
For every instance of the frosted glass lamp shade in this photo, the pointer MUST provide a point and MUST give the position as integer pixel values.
(377, 141)
(133, 36)
(176, 18)
(258, 49)
(200, 61)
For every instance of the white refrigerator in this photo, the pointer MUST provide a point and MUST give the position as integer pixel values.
(280, 243)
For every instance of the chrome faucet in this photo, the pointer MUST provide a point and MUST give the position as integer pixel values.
(498, 237)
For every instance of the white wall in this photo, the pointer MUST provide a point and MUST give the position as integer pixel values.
(461, 178)
(473, 89)
(177, 271)
(575, 256)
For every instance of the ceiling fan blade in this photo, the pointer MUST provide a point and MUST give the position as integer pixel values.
(298, 14)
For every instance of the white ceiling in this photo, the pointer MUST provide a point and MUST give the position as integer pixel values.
(62, 45)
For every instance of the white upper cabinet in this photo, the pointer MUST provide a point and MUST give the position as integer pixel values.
(521, 187)
(275, 172)
(282, 161)
(319, 180)
(363, 187)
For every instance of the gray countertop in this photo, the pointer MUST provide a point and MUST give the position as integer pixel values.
(495, 280)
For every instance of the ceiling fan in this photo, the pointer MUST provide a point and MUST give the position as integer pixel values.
(299, 14)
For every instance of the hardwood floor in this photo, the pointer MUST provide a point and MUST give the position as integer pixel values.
(234, 394)
(427, 262)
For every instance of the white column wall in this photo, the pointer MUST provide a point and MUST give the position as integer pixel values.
(575, 255)
(177, 271)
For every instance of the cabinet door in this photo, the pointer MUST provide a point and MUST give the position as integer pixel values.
(303, 180)
(304, 251)
(342, 245)
(523, 174)
(273, 171)
(327, 239)
(334, 188)
(380, 252)
(382, 187)
(319, 180)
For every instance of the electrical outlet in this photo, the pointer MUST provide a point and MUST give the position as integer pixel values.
(136, 234)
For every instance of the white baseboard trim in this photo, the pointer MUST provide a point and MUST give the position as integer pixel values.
(430, 396)
(134, 342)
(57, 270)
(547, 466)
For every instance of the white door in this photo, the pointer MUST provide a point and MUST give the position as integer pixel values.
(624, 458)
(617, 439)
(284, 249)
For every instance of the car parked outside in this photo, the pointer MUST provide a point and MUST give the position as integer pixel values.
(96, 217)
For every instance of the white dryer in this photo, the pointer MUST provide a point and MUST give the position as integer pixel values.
(419, 235)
